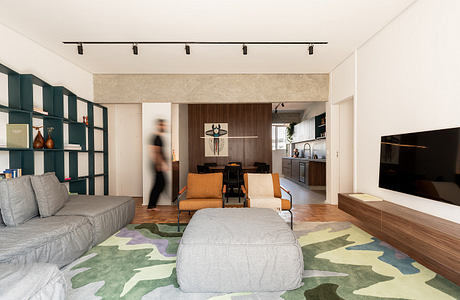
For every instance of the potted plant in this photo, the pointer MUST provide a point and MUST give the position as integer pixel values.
(290, 134)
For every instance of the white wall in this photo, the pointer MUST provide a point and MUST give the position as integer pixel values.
(314, 109)
(277, 160)
(179, 139)
(125, 149)
(183, 145)
(25, 56)
(150, 113)
(406, 81)
(342, 87)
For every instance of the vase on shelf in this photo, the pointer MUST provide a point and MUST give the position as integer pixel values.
(39, 141)
(49, 144)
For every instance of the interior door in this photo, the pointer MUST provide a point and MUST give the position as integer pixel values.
(346, 146)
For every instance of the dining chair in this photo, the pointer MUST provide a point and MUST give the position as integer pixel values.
(263, 168)
(203, 169)
(233, 179)
(211, 164)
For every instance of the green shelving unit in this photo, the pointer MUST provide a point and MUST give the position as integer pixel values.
(20, 111)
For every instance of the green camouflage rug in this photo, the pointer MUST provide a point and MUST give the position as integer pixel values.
(341, 262)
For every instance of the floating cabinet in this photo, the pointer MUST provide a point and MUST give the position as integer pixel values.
(88, 167)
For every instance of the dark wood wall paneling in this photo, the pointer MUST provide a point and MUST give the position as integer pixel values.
(243, 120)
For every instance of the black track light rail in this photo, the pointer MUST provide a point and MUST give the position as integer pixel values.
(197, 43)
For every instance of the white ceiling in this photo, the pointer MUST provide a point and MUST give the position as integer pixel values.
(344, 23)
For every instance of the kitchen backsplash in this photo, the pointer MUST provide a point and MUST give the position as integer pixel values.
(318, 147)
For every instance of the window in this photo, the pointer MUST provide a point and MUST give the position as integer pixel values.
(278, 136)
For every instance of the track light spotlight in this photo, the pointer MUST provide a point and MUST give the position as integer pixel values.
(187, 49)
(310, 50)
(282, 104)
(135, 49)
(80, 49)
(245, 50)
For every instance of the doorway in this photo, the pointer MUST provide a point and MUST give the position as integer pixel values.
(346, 146)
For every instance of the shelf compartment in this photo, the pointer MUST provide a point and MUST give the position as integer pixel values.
(77, 134)
(77, 186)
(54, 162)
(22, 160)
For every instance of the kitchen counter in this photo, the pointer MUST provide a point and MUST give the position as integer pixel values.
(308, 172)
(307, 159)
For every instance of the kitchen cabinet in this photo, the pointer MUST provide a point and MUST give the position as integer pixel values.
(315, 172)
(286, 166)
(295, 169)
(304, 131)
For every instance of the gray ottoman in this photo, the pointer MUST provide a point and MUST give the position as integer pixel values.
(238, 250)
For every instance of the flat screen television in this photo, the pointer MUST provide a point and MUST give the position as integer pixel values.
(425, 164)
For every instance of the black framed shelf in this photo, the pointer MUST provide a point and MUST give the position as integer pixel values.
(75, 150)
(16, 149)
(64, 109)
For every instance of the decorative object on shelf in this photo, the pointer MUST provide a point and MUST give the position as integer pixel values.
(17, 135)
(296, 153)
(39, 141)
(85, 120)
(49, 141)
(40, 111)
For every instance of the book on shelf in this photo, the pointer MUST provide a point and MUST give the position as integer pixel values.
(72, 146)
(40, 111)
(17, 135)
(11, 173)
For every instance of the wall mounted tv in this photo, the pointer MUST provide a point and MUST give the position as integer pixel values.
(425, 164)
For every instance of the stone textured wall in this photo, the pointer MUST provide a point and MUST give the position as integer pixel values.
(210, 88)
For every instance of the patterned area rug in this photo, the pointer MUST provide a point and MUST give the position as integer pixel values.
(341, 262)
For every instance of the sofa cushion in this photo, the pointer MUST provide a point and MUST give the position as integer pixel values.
(285, 204)
(276, 184)
(32, 281)
(50, 193)
(107, 214)
(195, 204)
(204, 185)
(17, 200)
(58, 240)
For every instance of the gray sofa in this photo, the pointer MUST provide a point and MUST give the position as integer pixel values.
(46, 225)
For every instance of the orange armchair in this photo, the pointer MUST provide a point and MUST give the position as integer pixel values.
(286, 205)
(203, 191)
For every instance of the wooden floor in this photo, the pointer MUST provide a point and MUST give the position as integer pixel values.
(302, 213)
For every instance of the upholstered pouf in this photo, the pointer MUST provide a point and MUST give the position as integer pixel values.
(238, 250)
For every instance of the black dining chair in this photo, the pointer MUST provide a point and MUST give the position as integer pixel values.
(211, 164)
(263, 169)
(202, 169)
(232, 179)
(234, 163)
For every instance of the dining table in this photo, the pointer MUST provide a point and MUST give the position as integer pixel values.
(246, 169)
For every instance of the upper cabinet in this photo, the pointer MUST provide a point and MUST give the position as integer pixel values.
(305, 131)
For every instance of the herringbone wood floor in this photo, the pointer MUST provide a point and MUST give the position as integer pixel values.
(302, 213)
